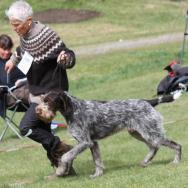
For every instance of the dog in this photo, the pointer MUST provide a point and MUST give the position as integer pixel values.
(91, 120)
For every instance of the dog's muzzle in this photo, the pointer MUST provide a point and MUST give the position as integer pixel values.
(44, 113)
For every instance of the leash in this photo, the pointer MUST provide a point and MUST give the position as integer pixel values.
(58, 71)
(172, 122)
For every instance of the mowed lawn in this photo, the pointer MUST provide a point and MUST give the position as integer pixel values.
(119, 20)
(116, 75)
(134, 74)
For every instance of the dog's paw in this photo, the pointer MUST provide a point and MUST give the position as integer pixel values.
(144, 164)
(98, 172)
(177, 159)
(63, 168)
(175, 162)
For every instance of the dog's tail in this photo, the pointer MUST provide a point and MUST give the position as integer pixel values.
(165, 98)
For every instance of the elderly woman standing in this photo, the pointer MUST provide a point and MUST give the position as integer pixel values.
(46, 58)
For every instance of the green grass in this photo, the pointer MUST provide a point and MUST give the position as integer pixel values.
(117, 68)
(121, 153)
(119, 20)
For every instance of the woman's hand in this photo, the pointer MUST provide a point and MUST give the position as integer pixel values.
(9, 66)
(64, 59)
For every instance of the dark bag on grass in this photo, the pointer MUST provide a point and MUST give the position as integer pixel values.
(176, 74)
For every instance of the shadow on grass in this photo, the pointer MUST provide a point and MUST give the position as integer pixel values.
(119, 165)
(12, 137)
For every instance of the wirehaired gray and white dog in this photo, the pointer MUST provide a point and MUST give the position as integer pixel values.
(91, 120)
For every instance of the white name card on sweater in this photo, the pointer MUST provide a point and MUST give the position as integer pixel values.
(26, 62)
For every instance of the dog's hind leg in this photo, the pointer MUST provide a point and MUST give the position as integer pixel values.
(152, 150)
(97, 160)
(149, 156)
(176, 147)
(136, 135)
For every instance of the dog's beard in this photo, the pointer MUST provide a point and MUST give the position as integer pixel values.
(44, 113)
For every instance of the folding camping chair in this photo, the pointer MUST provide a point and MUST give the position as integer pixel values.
(8, 118)
(184, 38)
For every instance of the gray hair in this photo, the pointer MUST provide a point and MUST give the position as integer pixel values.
(19, 10)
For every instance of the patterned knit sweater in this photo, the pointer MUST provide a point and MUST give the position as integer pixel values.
(44, 45)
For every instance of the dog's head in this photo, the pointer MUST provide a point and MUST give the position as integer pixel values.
(51, 103)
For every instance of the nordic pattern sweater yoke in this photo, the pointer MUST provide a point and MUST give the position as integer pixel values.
(44, 45)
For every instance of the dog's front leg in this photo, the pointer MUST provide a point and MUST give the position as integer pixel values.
(67, 158)
(97, 159)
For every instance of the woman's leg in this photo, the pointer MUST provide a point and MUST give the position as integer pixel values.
(31, 126)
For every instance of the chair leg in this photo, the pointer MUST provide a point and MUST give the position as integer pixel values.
(8, 122)
(8, 119)
(9, 125)
(13, 129)
(3, 133)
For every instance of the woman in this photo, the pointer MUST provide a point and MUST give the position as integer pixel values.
(48, 58)
(6, 45)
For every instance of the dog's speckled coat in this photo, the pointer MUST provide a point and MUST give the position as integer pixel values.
(91, 120)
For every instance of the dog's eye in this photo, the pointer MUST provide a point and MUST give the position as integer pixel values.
(45, 100)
